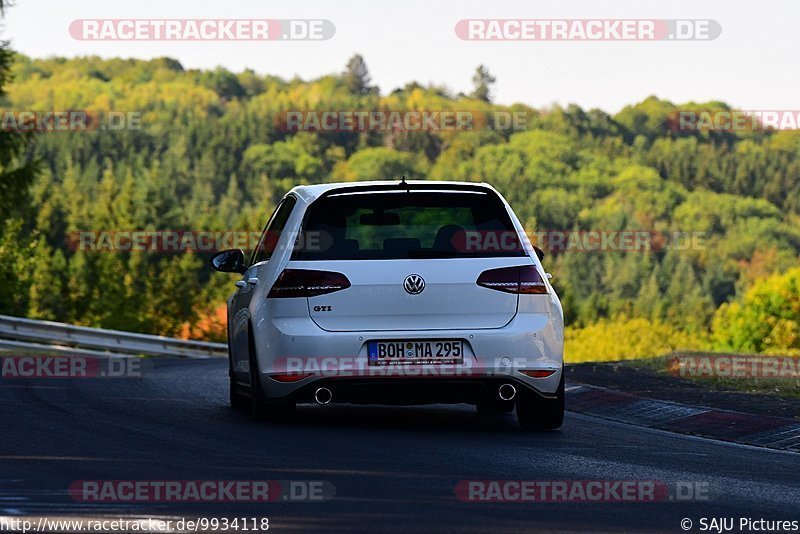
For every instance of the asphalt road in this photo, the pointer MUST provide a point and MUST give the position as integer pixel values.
(394, 469)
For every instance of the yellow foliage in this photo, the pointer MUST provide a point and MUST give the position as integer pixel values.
(767, 316)
(626, 339)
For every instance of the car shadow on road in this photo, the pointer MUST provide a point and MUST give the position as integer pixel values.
(429, 418)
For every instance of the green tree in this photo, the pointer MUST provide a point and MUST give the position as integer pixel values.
(212, 156)
(17, 170)
(482, 82)
(379, 164)
(356, 76)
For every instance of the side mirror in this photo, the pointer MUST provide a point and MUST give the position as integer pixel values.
(229, 261)
(539, 252)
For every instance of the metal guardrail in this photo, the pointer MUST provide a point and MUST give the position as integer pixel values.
(30, 334)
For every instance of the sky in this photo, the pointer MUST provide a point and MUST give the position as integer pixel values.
(752, 65)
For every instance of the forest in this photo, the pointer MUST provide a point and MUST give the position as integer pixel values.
(212, 153)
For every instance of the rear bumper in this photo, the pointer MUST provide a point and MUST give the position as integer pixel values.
(407, 391)
(338, 360)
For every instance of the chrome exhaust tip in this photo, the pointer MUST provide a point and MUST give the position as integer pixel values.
(507, 392)
(323, 396)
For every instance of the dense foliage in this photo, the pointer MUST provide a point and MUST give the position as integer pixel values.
(210, 155)
(767, 318)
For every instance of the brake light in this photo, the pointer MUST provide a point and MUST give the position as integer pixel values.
(537, 373)
(307, 283)
(290, 377)
(523, 280)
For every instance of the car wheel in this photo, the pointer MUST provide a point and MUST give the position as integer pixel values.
(237, 399)
(258, 403)
(260, 408)
(537, 413)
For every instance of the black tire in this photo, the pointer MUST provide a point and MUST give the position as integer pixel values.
(494, 407)
(537, 413)
(237, 399)
(260, 408)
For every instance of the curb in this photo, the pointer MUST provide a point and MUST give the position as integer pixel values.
(748, 429)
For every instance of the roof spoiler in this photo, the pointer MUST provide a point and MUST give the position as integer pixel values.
(477, 188)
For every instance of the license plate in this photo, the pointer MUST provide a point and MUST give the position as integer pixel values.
(433, 351)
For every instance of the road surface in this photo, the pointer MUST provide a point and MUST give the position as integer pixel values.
(393, 469)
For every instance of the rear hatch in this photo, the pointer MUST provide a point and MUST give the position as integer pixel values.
(378, 300)
(411, 258)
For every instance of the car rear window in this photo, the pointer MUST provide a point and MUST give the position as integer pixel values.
(404, 225)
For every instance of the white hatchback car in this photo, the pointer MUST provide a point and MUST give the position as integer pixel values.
(395, 293)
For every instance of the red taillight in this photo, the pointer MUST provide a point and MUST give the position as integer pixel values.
(290, 377)
(307, 283)
(537, 373)
(523, 280)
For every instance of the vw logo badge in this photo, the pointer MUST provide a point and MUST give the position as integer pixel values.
(414, 284)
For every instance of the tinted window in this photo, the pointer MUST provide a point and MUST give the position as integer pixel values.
(401, 225)
(272, 232)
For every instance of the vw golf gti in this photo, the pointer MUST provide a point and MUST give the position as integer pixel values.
(395, 293)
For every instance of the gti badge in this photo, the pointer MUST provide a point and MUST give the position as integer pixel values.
(414, 284)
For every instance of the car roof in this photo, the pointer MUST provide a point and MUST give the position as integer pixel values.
(309, 193)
